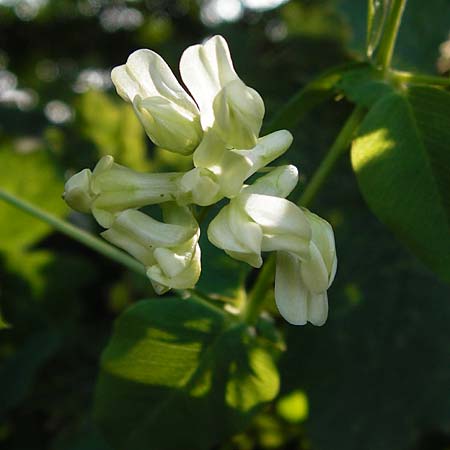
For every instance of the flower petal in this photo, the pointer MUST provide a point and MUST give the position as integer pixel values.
(323, 237)
(318, 308)
(168, 125)
(314, 272)
(206, 69)
(148, 75)
(290, 293)
(186, 279)
(236, 235)
(151, 232)
(238, 114)
(279, 182)
(288, 243)
(125, 240)
(276, 215)
(199, 186)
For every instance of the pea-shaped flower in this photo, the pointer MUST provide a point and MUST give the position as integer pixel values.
(259, 219)
(169, 250)
(169, 115)
(301, 284)
(111, 188)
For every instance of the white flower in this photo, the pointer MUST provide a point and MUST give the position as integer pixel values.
(258, 220)
(111, 188)
(169, 115)
(301, 284)
(169, 250)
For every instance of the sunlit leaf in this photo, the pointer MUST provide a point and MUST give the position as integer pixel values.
(113, 128)
(180, 374)
(402, 161)
(33, 177)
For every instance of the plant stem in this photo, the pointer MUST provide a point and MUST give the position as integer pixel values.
(257, 295)
(387, 44)
(76, 233)
(338, 148)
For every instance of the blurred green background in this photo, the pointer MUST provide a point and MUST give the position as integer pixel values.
(377, 376)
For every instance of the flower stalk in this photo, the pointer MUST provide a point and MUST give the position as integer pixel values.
(389, 38)
(75, 233)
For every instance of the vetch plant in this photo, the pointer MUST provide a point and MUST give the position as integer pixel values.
(189, 369)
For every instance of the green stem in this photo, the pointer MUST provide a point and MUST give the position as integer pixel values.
(256, 298)
(387, 44)
(338, 148)
(415, 78)
(76, 233)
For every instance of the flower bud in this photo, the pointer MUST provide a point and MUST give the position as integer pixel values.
(77, 191)
(168, 114)
(169, 249)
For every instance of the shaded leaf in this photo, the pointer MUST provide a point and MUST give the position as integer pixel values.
(3, 323)
(181, 374)
(364, 85)
(18, 372)
(402, 162)
(313, 94)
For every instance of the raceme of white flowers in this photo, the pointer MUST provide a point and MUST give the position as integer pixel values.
(219, 125)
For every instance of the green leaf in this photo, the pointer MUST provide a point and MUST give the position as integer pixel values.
(113, 128)
(3, 323)
(33, 177)
(364, 85)
(402, 162)
(181, 374)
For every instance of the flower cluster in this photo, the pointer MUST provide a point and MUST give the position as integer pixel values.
(219, 126)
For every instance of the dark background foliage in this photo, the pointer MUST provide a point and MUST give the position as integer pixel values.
(377, 376)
